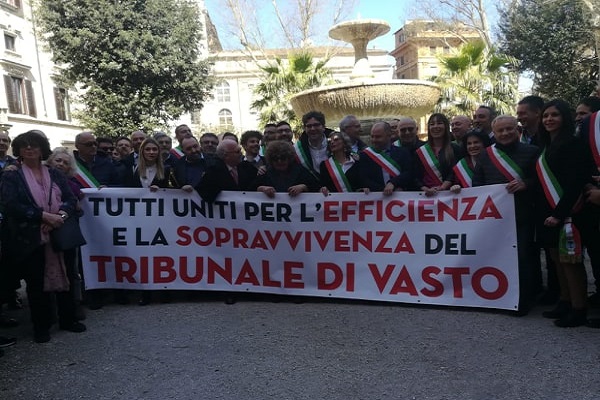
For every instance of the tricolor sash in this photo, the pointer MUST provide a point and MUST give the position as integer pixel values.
(504, 163)
(595, 137)
(261, 150)
(569, 240)
(337, 175)
(301, 156)
(176, 152)
(430, 162)
(84, 176)
(569, 243)
(552, 189)
(464, 173)
(384, 161)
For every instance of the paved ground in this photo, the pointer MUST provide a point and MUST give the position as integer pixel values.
(314, 350)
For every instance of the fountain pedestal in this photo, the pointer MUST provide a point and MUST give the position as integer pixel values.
(364, 96)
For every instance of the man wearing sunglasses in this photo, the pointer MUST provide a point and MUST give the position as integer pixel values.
(101, 168)
(408, 135)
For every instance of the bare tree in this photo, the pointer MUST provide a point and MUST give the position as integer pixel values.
(450, 14)
(283, 24)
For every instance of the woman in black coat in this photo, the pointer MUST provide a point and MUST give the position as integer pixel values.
(283, 173)
(562, 161)
(150, 172)
(35, 200)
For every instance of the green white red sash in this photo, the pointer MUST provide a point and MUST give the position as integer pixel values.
(337, 175)
(569, 243)
(504, 163)
(384, 161)
(85, 177)
(550, 185)
(301, 156)
(464, 173)
(177, 152)
(595, 137)
(430, 162)
(261, 151)
(569, 240)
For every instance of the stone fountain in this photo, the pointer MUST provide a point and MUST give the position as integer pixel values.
(364, 96)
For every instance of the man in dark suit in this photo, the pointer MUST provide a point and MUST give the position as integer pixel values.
(350, 125)
(228, 173)
(311, 148)
(383, 167)
(521, 183)
(190, 168)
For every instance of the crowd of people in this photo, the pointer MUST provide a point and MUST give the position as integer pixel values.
(548, 156)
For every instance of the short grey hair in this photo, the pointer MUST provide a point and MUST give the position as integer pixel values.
(223, 146)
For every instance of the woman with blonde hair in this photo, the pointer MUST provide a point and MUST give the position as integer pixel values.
(151, 173)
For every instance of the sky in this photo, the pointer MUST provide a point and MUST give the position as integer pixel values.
(373, 9)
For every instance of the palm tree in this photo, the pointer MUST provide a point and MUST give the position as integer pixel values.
(284, 79)
(476, 75)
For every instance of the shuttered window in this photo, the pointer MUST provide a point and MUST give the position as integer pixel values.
(61, 100)
(19, 96)
(14, 3)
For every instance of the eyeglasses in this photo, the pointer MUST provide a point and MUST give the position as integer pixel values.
(310, 126)
(89, 144)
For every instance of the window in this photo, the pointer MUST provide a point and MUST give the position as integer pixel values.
(401, 60)
(19, 95)
(432, 50)
(225, 119)
(196, 116)
(222, 92)
(61, 100)
(10, 42)
(14, 3)
(446, 50)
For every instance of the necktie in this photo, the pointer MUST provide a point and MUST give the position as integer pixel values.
(234, 175)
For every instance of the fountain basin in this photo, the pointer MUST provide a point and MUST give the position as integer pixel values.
(369, 99)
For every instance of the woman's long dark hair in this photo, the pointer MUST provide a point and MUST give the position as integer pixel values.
(446, 146)
(567, 128)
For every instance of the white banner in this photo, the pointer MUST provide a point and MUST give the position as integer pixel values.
(448, 249)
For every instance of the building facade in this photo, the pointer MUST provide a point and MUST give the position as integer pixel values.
(32, 98)
(237, 74)
(419, 45)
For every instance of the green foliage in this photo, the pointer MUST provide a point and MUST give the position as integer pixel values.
(284, 79)
(553, 39)
(136, 61)
(476, 75)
